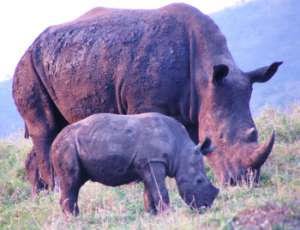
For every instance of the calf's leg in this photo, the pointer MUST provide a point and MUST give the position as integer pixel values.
(148, 202)
(70, 176)
(69, 198)
(154, 181)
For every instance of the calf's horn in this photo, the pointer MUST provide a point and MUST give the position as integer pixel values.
(262, 152)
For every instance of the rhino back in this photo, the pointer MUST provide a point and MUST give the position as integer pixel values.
(113, 61)
(110, 146)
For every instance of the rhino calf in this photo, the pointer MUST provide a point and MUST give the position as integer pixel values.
(118, 149)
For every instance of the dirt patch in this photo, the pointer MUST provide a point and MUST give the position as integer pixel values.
(270, 216)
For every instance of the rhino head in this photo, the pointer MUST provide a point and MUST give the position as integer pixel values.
(193, 185)
(226, 118)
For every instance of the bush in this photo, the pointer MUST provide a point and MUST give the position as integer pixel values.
(285, 123)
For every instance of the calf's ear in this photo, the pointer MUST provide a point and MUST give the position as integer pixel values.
(205, 147)
(263, 74)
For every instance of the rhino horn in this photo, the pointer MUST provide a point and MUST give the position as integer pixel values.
(262, 152)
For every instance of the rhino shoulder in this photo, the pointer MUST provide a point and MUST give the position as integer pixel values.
(93, 13)
(182, 9)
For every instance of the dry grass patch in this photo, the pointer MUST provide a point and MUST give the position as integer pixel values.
(101, 207)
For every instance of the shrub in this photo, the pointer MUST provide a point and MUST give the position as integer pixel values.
(285, 123)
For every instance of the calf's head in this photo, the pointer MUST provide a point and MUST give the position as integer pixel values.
(193, 185)
(225, 117)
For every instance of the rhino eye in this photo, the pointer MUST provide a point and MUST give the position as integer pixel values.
(199, 181)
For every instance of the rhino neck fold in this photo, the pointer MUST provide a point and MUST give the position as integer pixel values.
(179, 161)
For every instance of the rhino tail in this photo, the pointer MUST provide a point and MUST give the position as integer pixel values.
(26, 134)
(52, 179)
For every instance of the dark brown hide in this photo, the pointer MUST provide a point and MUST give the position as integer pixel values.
(32, 173)
(173, 60)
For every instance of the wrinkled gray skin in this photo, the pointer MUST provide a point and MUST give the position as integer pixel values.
(118, 149)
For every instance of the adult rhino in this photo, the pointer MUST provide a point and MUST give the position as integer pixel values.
(173, 60)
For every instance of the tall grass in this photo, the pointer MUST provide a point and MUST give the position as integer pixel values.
(104, 207)
(286, 124)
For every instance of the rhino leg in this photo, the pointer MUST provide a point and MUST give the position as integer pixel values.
(148, 202)
(40, 114)
(154, 181)
(42, 146)
(68, 200)
(32, 173)
(69, 174)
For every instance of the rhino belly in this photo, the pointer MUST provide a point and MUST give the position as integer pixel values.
(106, 145)
(111, 170)
(84, 100)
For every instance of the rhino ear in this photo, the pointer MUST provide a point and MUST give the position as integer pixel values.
(220, 72)
(205, 147)
(264, 74)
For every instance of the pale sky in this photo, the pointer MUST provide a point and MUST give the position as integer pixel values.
(21, 21)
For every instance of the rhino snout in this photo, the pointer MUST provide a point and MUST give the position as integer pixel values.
(210, 195)
(203, 198)
(214, 191)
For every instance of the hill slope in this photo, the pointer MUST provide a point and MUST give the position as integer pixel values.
(258, 33)
(10, 121)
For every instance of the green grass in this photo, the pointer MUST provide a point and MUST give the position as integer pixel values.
(104, 207)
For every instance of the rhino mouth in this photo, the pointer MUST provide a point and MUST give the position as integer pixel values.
(201, 208)
(203, 204)
(249, 178)
(241, 165)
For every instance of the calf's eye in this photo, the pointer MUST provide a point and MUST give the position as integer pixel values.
(199, 181)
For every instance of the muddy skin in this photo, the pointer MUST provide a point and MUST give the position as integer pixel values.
(173, 60)
(119, 149)
(33, 175)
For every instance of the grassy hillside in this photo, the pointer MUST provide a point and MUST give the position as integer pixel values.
(274, 204)
(259, 33)
(10, 120)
